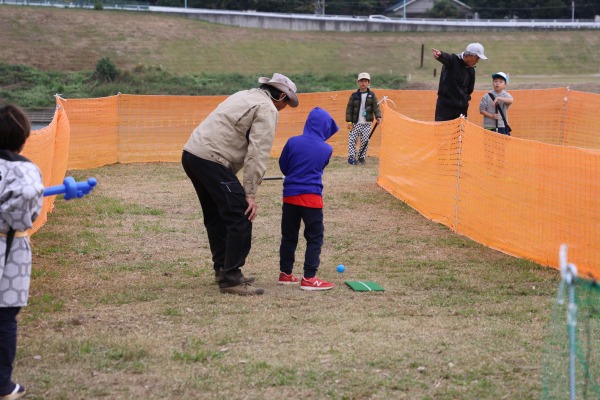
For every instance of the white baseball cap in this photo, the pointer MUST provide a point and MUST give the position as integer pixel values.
(477, 49)
(363, 75)
(283, 83)
(500, 75)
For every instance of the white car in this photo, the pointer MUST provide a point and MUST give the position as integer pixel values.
(379, 18)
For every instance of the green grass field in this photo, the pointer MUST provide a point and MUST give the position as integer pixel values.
(124, 304)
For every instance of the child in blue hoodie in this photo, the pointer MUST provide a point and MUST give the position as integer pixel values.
(303, 161)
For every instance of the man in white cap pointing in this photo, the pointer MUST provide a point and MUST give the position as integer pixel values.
(457, 81)
(238, 133)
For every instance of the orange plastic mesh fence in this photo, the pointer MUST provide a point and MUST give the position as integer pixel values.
(430, 152)
(48, 148)
(130, 128)
(94, 131)
(581, 123)
(522, 197)
(524, 194)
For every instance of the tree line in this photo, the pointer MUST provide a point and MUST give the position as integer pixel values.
(486, 9)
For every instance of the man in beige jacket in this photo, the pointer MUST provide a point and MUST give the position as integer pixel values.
(238, 133)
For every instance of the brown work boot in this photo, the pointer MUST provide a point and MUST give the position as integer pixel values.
(243, 289)
(244, 279)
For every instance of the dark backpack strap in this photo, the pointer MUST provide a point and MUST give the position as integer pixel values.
(10, 235)
(506, 127)
(493, 98)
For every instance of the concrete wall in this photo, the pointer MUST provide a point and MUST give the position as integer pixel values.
(305, 22)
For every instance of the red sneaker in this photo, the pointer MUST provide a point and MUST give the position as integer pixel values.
(285, 279)
(315, 284)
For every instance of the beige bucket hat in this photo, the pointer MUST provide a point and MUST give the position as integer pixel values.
(283, 83)
(363, 75)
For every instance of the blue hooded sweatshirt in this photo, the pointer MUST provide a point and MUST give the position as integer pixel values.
(305, 157)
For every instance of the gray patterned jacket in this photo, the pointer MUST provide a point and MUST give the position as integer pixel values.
(21, 198)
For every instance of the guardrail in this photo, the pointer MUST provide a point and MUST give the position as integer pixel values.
(89, 4)
(343, 23)
(309, 22)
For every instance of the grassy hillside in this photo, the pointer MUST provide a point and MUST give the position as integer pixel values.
(73, 40)
(29, 87)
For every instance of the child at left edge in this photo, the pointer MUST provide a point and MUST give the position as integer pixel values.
(21, 198)
(303, 161)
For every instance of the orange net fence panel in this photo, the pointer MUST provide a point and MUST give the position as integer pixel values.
(581, 125)
(154, 128)
(130, 128)
(555, 116)
(535, 114)
(93, 124)
(48, 148)
(524, 195)
(535, 197)
(418, 164)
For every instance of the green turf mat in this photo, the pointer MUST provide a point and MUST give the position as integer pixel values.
(361, 286)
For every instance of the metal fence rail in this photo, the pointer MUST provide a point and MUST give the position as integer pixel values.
(322, 22)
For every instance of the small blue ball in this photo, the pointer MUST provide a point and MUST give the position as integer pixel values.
(341, 268)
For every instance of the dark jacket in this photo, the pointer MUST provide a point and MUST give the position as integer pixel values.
(304, 158)
(456, 83)
(371, 107)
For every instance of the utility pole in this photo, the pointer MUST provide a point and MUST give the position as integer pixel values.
(320, 7)
(572, 10)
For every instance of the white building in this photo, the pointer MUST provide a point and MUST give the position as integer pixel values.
(418, 8)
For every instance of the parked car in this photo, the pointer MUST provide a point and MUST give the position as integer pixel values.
(379, 18)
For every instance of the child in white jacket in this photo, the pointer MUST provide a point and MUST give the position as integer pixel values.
(21, 197)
